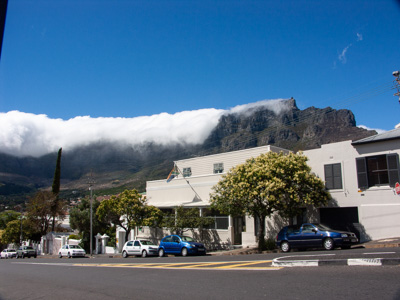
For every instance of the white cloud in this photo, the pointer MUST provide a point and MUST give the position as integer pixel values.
(26, 134)
(376, 129)
(359, 37)
(342, 55)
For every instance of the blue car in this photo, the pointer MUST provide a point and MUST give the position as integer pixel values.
(312, 235)
(179, 244)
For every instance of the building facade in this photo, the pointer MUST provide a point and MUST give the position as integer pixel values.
(360, 176)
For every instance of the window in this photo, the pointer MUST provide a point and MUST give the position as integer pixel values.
(137, 244)
(377, 170)
(218, 168)
(333, 176)
(187, 172)
(220, 221)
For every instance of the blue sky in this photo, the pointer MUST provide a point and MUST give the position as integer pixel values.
(127, 59)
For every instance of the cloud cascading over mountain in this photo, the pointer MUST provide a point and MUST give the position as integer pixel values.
(26, 134)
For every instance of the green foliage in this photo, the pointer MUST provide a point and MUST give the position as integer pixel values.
(128, 210)
(39, 211)
(56, 205)
(79, 219)
(74, 237)
(269, 244)
(8, 216)
(185, 219)
(12, 232)
(272, 182)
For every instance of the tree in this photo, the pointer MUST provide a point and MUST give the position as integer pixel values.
(272, 182)
(8, 216)
(12, 233)
(39, 211)
(79, 219)
(128, 210)
(55, 188)
(185, 219)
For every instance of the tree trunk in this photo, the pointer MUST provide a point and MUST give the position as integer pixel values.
(260, 233)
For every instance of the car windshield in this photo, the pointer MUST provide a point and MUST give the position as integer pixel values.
(322, 227)
(144, 242)
(187, 239)
(74, 247)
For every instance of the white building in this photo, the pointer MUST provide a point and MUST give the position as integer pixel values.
(359, 175)
(193, 189)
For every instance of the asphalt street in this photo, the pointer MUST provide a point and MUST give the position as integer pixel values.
(214, 277)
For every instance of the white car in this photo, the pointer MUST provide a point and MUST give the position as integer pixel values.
(71, 251)
(140, 247)
(8, 253)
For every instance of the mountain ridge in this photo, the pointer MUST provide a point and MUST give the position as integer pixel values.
(116, 167)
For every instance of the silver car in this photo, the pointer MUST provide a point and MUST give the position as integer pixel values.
(8, 253)
(139, 247)
(71, 251)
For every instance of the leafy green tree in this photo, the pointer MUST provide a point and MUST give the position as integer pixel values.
(39, 211)
(12, 232)
(128, 210)
(185, 219)
(79, 219)
(272, 182)
(57, 205)
(8, 216)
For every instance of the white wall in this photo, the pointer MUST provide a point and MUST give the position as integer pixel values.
(378, 207)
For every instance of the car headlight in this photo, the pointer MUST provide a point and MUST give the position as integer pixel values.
(344, 235)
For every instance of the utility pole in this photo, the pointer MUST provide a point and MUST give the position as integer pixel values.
(397, 83)
(91, 182)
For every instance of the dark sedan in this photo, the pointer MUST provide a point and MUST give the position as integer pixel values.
(312, 235)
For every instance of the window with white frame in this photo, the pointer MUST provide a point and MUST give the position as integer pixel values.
(333, 176)
(218, 168)
(187, 172)
(378, 170)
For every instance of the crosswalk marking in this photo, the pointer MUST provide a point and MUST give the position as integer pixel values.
(221, 265)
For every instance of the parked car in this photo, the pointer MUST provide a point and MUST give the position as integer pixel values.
(8, 253)
(71, 251)
(26, 251)
(178, 244)
(312, 235)
(139, 248)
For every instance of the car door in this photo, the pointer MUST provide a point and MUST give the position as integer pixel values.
(294, 236)
(310, 236)
(136, 248)
(167, 243)
(176, 244)
(129, 247)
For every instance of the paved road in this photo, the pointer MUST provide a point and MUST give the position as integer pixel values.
(213, 277)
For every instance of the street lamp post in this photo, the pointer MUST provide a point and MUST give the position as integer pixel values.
(91, 182)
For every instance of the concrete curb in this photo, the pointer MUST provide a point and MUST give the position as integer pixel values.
(337, 262)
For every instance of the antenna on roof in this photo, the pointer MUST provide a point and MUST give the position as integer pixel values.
(397, 83)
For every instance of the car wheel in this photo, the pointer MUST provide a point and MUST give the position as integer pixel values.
(59, 255)
(184, 251)
(69, 255)
(6, 256)
(328, 244)
(22, 256)
(124, 254)
(161, 253)
(285, 247)
(144, 253)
